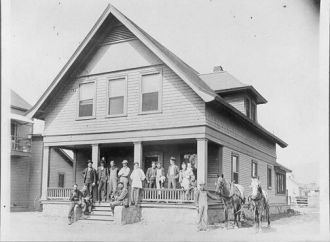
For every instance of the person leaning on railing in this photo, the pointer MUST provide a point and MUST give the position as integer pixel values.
(76, 201)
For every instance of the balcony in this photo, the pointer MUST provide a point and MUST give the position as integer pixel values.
(21, 146)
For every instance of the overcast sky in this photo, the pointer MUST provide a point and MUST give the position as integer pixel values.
(272, 45)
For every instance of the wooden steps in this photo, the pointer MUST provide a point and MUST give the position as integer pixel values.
(100, 213)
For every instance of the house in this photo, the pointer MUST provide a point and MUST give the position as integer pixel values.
(123, 95)
(26, 158)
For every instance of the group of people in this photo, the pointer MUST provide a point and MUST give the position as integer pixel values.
(111, 183)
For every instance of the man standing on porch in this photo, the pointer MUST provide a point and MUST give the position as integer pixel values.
(172, 173)
(102, 177)
(113, 178)
(160, 176)
(89, 175)
(151, 175)
(137, 177)
(123, 174)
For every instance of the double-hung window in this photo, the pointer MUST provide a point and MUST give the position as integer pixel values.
(280, 183)
(254, 169)
(151, 88)
(234, 168)
(269, 177)
(117, 97)
(86, 99)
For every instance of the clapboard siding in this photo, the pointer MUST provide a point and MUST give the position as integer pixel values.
(237, 103)
(231, 127)
(19, 181)
(35, 172)
(180, 107)
(59, 165)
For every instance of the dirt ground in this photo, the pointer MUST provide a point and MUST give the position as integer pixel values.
(36, 226)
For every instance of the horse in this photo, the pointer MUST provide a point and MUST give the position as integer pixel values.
(260, 205)
(232, 196)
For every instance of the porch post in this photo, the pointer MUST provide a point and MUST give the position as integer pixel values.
(202, 160)
(95, 155)
(138, 152)
(45, 171)
(74, 166)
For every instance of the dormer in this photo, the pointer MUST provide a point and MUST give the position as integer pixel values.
(243, 97)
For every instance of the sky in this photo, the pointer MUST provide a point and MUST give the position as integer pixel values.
(272, 45)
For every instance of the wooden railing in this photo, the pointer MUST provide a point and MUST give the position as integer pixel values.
(22, 144)
(58, 193)
(167, 195)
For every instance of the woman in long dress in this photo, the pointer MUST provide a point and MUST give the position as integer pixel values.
(184, 177)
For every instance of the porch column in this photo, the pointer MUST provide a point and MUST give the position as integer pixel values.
(74, 166)
(95, 155)
(45, 171)
(138, 152)
(202, 160)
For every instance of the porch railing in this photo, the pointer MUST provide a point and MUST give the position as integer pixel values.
(58, 193)
(167, 195)
(22, 144)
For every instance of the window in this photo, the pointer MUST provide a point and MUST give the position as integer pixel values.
(254, 169)
(247, 105)
(61, 180)
(269, 177)
(86, 99)
(117, 97)
(150, 92)
(280, 183)
(254, 111)
(234, 168)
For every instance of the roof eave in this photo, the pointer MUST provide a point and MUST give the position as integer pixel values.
(260, 98)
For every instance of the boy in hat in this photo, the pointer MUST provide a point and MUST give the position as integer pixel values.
(172, 173)
(137, 177)
(89, 175)
(102, 178)
(123, 174)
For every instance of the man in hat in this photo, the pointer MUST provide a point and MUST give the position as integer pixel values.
(123, 173)
(119, 198)
(160, 176)
(137, 177)
(76, 201)
(172, 173)
(89, 175)
(102, 178)
(151, 175)
(113, 178)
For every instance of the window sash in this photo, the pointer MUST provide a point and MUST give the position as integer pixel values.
(116, 105)
(254, 169)
(150, 92)
(150, 101)
(269, 177)
(117, 87)
(280, 183)
(234, 168)
(86, 99)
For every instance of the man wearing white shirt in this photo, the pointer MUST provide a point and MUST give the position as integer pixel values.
(124, 173)
(137, 177)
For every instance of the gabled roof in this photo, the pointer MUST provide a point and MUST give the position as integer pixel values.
(16, 101)
(223, 82)
(185, 72)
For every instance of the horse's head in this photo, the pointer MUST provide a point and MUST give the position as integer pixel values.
(219, 184)
(256, 188)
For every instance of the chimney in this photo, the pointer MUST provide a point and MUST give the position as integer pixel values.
(217, 68)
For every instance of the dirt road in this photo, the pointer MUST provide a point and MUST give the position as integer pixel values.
(35, 226)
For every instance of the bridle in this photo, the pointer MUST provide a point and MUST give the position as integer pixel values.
(259, 194)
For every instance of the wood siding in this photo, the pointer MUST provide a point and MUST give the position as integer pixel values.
(19, 181)
(58, 165)
(181, 106)
(237, 102)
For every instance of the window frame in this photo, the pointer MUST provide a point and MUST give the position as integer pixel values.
(277, 174)
(125, 96)
(254, 113)
(247, 107)
(160, 93)
(61, 174)
(269, 186)
(78, 100)
(256, 163)
(237, 167)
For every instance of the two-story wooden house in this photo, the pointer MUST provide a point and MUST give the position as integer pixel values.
(123, 95)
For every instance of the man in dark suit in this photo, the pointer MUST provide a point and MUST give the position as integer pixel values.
(76, 201)
(172, 173)
(89, 175)
(102, 178)
(151, 175)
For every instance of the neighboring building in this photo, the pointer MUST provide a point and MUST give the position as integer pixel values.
(26, 158)
(123, 95)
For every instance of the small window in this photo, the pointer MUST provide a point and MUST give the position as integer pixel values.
(61, 180)
(234, 167)
(150, 92)
(117, 96)
(247, 105)
(86, 99)
(254, 112)
(280, 183)
(254, 169)
(269, 177)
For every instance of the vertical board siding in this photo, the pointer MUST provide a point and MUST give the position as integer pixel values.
(19, 181)
(59, 165)
(232, 128)
(181, 106)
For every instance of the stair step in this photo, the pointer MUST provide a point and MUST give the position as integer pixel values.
(100, 215)
(110, 219)
(107, 213)
(102, 209)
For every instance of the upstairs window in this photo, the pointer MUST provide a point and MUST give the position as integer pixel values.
(280, 183)
(247, 105)
(254, 112)
(234, 168)
(151, 92)
(86, 99)
(117, 97)
(269, 177)
(254, 169)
